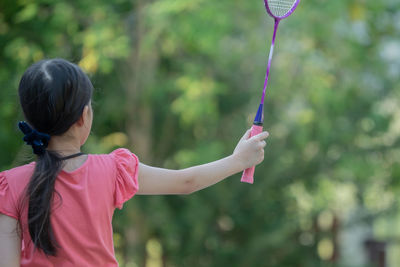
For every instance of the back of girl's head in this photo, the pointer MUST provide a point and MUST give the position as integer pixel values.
(53, 94)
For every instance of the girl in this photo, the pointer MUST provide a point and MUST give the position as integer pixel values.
(60, 207)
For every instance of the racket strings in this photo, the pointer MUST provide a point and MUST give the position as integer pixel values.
(280, 8)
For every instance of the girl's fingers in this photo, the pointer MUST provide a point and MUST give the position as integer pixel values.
(263, 143)
(246, 135)
(261, 136)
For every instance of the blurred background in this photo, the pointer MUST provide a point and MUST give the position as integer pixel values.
(179, 81)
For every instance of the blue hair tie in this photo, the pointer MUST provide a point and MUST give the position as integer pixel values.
(39, 141)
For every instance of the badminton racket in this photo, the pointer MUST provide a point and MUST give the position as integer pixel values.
(278, 9)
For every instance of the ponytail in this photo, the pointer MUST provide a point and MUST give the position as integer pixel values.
(41, 188)
(40, 193)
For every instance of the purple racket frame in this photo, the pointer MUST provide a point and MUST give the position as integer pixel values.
(248, 174)
(271, 52)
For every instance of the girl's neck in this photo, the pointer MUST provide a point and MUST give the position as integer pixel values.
(64, 146)
(73, 164)
(67, 145)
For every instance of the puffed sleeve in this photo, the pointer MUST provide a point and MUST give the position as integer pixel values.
(126, 181)
(7, 205)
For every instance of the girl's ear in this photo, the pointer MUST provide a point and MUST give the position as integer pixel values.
(85, 116)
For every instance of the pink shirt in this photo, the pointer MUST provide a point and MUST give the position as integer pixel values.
(82, 219)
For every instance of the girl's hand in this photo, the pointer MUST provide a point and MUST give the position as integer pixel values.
(250, 151)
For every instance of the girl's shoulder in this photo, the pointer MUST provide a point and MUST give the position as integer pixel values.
(18, 176)
(120, 156)
(13, 183)
(125, 166)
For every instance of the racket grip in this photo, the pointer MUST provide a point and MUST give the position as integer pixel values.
(248, 174)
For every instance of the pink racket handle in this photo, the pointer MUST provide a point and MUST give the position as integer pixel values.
(248, 174)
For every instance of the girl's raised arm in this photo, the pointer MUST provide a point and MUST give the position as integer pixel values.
(10, 242)
(158, 181)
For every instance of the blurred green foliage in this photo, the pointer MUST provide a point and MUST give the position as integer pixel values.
(178, 82)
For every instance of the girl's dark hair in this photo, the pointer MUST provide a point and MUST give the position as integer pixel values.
(53, 94)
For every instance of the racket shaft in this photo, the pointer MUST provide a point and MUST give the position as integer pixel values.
(248, 174)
